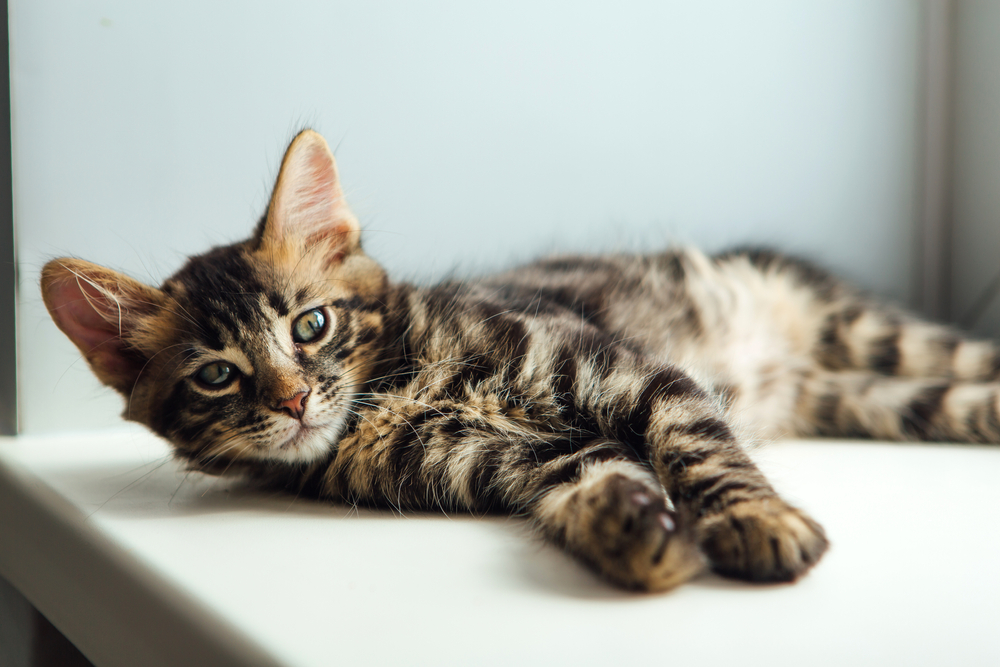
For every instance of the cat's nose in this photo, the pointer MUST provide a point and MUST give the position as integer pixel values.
(294, 406)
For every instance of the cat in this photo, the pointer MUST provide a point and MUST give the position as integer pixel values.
(608, 399)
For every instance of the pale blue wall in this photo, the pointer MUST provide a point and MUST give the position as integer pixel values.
(468, 135)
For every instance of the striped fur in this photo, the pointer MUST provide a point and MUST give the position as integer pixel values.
(607, 399)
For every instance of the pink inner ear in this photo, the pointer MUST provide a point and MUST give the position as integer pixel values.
(318, 188)
(96, 337)
(308, 207)
(316, 206)
(321, 199)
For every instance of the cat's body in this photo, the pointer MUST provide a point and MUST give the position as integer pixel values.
(608, 399)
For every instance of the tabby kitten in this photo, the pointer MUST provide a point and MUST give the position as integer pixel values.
(605, 398)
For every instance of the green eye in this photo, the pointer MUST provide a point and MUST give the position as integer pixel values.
(309, 326)
(216, 374)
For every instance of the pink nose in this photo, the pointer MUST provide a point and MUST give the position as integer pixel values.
(294, 406)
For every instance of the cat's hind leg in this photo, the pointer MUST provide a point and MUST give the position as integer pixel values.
(869, 405)
(867, 336)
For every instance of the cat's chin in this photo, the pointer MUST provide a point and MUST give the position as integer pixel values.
(307, 443)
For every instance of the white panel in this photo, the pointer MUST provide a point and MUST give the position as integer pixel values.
(469, 135)
(976, 245)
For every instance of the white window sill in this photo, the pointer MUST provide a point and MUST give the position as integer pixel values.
(138, 563)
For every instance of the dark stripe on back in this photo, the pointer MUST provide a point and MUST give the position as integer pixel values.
(806, 273)
(567, 264)
(672, 263)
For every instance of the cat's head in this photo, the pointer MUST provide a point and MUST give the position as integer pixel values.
(252, 352)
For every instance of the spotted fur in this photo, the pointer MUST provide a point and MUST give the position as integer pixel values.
(607, 399)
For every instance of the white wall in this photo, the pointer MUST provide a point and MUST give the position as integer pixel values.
(468, 135)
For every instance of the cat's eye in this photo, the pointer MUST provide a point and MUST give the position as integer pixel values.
(217, 374)
(309, 326)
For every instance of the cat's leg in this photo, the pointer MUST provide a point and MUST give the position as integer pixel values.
(613, 514)
(592, 498)
(744, 527)
(861, 335)
(869, 405)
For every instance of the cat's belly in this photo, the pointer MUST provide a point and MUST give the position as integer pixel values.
(753, 345)
(755, 376)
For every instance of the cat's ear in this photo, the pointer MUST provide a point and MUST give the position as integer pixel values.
(105, 313)
(307, 206)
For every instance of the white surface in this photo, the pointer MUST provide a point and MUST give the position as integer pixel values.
(911, 578)
(468, 134)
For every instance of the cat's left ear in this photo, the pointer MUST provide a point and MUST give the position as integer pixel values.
(307, 206)
(111, 318)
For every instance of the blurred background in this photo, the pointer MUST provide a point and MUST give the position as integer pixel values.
(864, 135)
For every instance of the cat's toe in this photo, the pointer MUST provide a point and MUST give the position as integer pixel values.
(765, 540)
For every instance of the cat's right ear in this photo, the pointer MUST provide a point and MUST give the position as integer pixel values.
(105, 313)
(307, 209)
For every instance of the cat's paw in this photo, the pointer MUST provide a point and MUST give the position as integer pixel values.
(624, 529)
(762, 540)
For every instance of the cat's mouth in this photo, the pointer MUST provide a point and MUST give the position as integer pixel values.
(300, 435)
(307, 442)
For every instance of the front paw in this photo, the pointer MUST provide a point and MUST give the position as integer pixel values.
(762, 540)
(623, 528)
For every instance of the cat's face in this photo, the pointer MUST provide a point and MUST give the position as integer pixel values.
(266, 356)
(252, 352)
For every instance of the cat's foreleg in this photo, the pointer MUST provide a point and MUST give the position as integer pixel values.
(612, 513)
(744, 527)
(591, 497)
